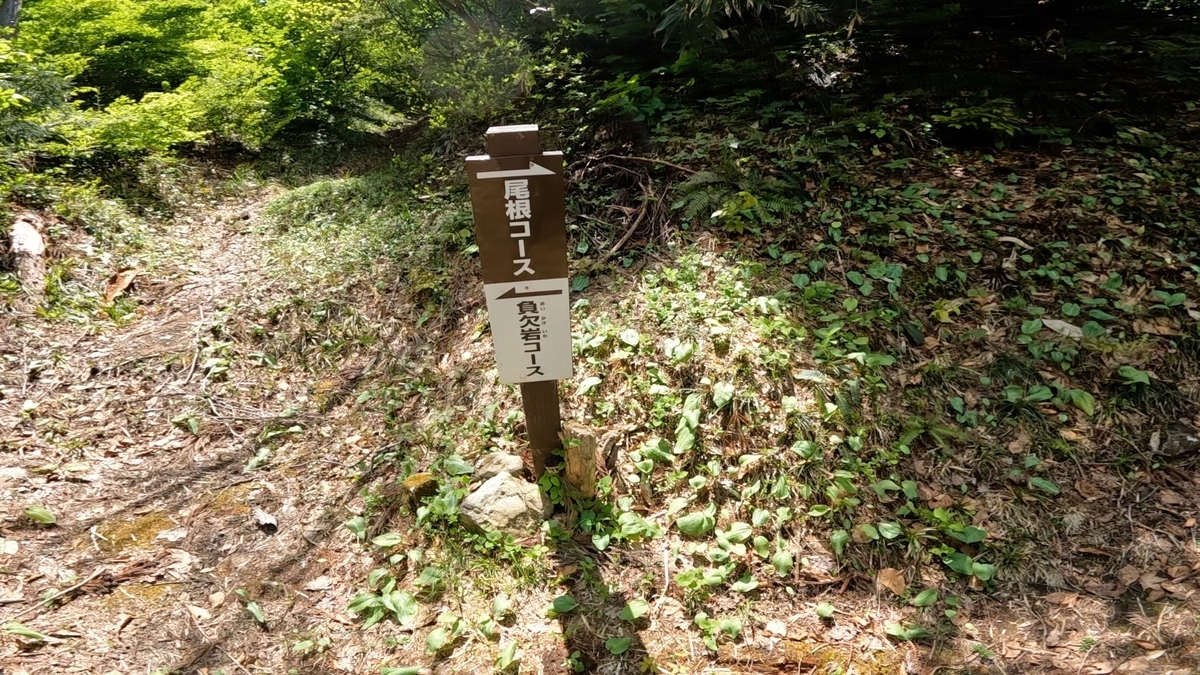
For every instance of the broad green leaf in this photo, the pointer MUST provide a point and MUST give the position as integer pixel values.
(457, 466)
(489, 627)
(618, 645)
(563, 604)
(1044, 485)
(722, 394)
(685, 439)
(824, 610)
(744, 585)
(782, 562)
(970, 535)
(657, 450)
(630, 337)
(1133, 375)
(695, 524)
(437, 639)
(983, 571)
(363, 602)
(868, 530)
(760, 517)
(501, 606)
(925, 598)
(691, 410)
(905, 631)
(739, 532)
(634, 609)
(404, 606)
(21, 630)
(730, 627)
(357, 525)
(255, 611)
(889, 530)
(387, 540)
(507, 656)
(587, 385)
(959, 562)
(40, 515)
(1084, 401)
(404, 670)
(838, 539)
(601, 540)
(431, 577)
(762, 546)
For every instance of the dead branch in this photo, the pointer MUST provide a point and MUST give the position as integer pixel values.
(651, 160)
(641, 215)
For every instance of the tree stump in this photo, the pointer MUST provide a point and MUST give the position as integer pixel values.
(28, 250)
(579, 443)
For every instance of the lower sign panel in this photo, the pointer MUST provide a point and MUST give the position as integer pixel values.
(531, 329)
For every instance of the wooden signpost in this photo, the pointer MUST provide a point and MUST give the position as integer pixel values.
(517, 196)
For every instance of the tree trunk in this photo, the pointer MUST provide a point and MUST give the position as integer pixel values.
(10, 13)
(28, 249)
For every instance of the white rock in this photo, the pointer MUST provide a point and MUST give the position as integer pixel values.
(507, 504)
(497, 463)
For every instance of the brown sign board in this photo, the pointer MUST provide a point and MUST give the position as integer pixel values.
(517, 197)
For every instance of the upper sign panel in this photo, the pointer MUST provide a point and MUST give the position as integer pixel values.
(520, 221)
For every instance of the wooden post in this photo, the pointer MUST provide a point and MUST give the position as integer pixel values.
(517, 195)
(542, 418)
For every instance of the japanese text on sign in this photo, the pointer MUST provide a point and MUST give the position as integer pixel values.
(519, 212)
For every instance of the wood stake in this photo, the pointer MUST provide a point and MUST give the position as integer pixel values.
(580, 445)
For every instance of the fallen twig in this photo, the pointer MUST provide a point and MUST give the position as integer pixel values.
(212, 643)
(56, 596)
(651, 160)
(625, 239)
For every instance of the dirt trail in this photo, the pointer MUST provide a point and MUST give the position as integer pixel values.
(133, 440)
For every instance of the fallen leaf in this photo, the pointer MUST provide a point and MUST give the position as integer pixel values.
(1150, 581)
(1018, 242)
(1063, 328)
(321, 583)
(1128, 575)
(199, 613)
(1177, 572)
(892, 579)
(216, 598)
(118, 282)
(776, 628)
(1088, 490)
(173, 534)
(1020, 445)
(1171, 498)
(1063, 598)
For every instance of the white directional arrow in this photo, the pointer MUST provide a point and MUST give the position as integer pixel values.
(533, 170)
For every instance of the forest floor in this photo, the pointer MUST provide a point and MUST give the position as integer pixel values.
(221, 451)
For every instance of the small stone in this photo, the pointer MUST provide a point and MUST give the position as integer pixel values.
(265, 521)
(506, 504)
(419, 486)
(497, 463)
(12, 476)
(1179, 440)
